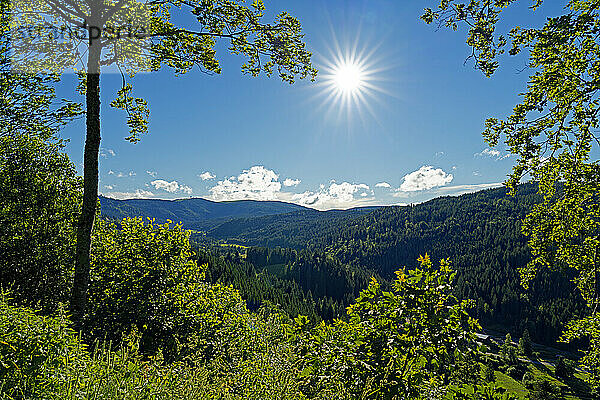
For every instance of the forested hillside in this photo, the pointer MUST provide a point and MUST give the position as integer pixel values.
(480, 233)
(265, 300)
(195, 213)
(292, 230)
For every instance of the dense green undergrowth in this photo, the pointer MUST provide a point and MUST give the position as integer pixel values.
(157, 327)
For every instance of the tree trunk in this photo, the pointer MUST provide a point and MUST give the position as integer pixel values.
(90, 185)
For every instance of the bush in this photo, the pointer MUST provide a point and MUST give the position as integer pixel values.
(393, 343)
(478, 392)
(488, 372)
(144, 275)
(42, 358)
(564, 368)
(544, 390)
(34, 351)
(39, 206)
(528, 380)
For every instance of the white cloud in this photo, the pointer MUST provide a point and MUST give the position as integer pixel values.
(383, 185)
(108, 187)
(151, 173)
(291, 182)
(476, 173)
(171, 187)
(206, 176)
(493, 153)
(121, 174)
(439, 154)
(107, 152)
(256, 183)
(425, 178)
(138, 194)
(337, 195)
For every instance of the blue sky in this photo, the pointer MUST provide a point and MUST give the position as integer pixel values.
(230, 136)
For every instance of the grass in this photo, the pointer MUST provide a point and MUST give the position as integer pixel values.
(511, 385)
(574, 389)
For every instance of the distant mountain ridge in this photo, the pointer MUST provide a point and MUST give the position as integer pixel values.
(194, 213)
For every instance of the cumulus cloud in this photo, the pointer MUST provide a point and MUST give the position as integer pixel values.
(121, 174)
(107, 152)
(425, 178)
(171, 187)
(492, 153)
(151, 173)
(383, 185)
(337, 195)
(206, 175)
(138, 194)
(108, 187)
(291, 182)
(256, 183)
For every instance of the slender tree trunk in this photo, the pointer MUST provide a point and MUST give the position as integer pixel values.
(90, 184)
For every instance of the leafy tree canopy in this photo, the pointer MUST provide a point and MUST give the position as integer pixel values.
(394, 343)
(553, 132)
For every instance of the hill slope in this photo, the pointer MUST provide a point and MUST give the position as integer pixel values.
(195, 213)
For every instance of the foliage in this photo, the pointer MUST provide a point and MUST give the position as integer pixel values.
(525, 344)
(488, 372)
(42, 358)
(481, 234)
(478, 392)
(39, 201)
(553, 133)
(544, 390)
(33, 350)
(143, 275)
(588, 328)
(564, 369)
(28, 101)
(394, 343)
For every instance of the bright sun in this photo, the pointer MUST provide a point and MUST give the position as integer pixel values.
(348, 77)
(349, 80)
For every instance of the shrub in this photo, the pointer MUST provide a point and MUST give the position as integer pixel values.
(528, 380)
(144, 275)
(393, 343)
(42, 358)
(564, 368)
(34, 351)
(39, 205)
(544, 390)
(478, 392)
(488, 372)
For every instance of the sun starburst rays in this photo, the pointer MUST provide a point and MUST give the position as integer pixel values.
(350, 81)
